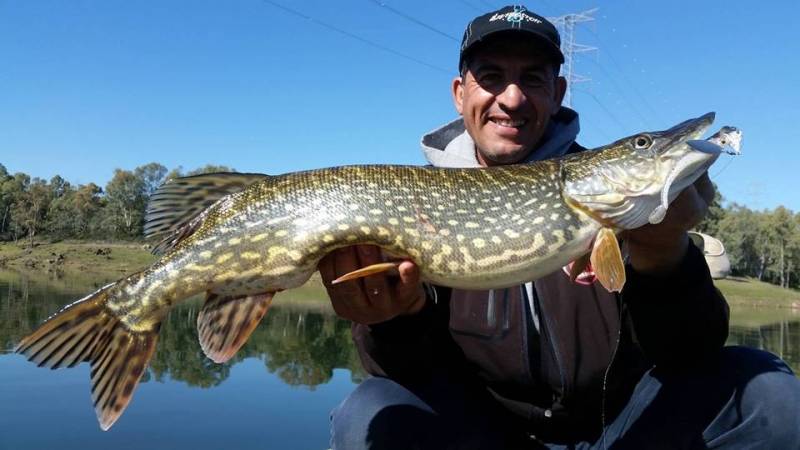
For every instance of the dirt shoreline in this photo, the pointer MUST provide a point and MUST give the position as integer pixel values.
(95, 257)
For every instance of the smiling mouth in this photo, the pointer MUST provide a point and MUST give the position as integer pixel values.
(509, 123)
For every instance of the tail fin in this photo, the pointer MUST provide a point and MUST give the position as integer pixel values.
(87, 331)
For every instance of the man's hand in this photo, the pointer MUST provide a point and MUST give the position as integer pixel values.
(658, 249)
(372, 299)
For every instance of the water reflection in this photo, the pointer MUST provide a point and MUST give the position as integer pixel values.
(782, 338)
(300, 339)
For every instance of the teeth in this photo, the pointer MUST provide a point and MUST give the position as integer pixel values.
(509, 123)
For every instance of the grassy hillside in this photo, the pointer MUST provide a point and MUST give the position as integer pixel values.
(90, 258)
(751, 292)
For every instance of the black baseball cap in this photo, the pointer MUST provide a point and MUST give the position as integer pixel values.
(512, 18)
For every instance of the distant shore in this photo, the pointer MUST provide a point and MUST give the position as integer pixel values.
(113, 259)
(86, 257)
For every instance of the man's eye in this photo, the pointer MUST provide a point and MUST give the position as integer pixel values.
(533, 80)
(489, 78)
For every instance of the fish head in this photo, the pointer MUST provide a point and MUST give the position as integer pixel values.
(630, 182)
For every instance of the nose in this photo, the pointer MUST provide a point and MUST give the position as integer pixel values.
(512, 97)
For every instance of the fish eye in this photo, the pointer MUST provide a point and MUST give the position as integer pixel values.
(642, 141)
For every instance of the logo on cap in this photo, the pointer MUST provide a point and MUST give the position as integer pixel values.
(516, 16)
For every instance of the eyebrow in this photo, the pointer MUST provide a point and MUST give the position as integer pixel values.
(479, 66)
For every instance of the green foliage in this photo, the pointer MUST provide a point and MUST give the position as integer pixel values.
(208, 168)
(124, 214)
(762, 244)
(59, 210)
(710, 224)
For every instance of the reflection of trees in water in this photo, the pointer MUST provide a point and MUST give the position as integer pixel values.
(301, 345)
(782, 339)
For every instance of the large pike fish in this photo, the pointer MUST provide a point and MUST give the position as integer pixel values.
(240, 238)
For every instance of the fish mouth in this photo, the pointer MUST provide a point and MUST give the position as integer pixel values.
(692, 160)
(691, 129)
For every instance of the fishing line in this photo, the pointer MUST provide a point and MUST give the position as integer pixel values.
(714, 177)
(605, 378)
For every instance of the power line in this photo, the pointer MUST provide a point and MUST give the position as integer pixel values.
(619, 89)
(415, 20)
(297, 13)
(607, 111)
(471, 6)
(622, 72)
(600, 132)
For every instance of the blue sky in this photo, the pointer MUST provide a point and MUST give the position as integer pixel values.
(89, 86)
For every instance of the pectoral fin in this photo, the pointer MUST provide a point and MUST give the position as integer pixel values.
(366, 271)
(225, 323)
(607, 261)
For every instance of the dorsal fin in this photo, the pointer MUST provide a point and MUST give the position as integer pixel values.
(175, 209)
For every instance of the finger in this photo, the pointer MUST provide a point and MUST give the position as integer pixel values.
(375, 286)
(327, 268)
(368, 255)
(690, 209)
(409, 287)
(349, 292)
(409, 273)
(346, 260)
(705, 188)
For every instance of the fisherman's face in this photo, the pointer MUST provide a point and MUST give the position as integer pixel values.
(506, 97)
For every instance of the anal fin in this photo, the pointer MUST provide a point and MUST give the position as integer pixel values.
(225, 323)
(607, 261)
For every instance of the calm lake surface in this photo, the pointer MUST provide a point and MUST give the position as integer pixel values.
(276, 393)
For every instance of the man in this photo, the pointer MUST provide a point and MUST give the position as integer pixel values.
(551, 363)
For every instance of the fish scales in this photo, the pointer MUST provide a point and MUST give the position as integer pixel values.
(462, 226)
(255, 235)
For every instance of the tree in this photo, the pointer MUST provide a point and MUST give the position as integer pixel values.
(6, 197)
(739, 230)
(793, 254)
(73, 214)
(152, 176)
(126, 202)
(780, 228)
(28, 213)
(715, 214)
(59, 186)
(210, 168)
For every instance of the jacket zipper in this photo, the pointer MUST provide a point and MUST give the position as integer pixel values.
(553, 343)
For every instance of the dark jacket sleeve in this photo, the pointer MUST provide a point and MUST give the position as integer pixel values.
(410, 348)
(678, 319)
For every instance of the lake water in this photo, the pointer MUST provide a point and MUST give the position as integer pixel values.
(276, 393)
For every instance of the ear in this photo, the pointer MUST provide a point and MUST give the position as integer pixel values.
(458, 93)
(560, 91)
